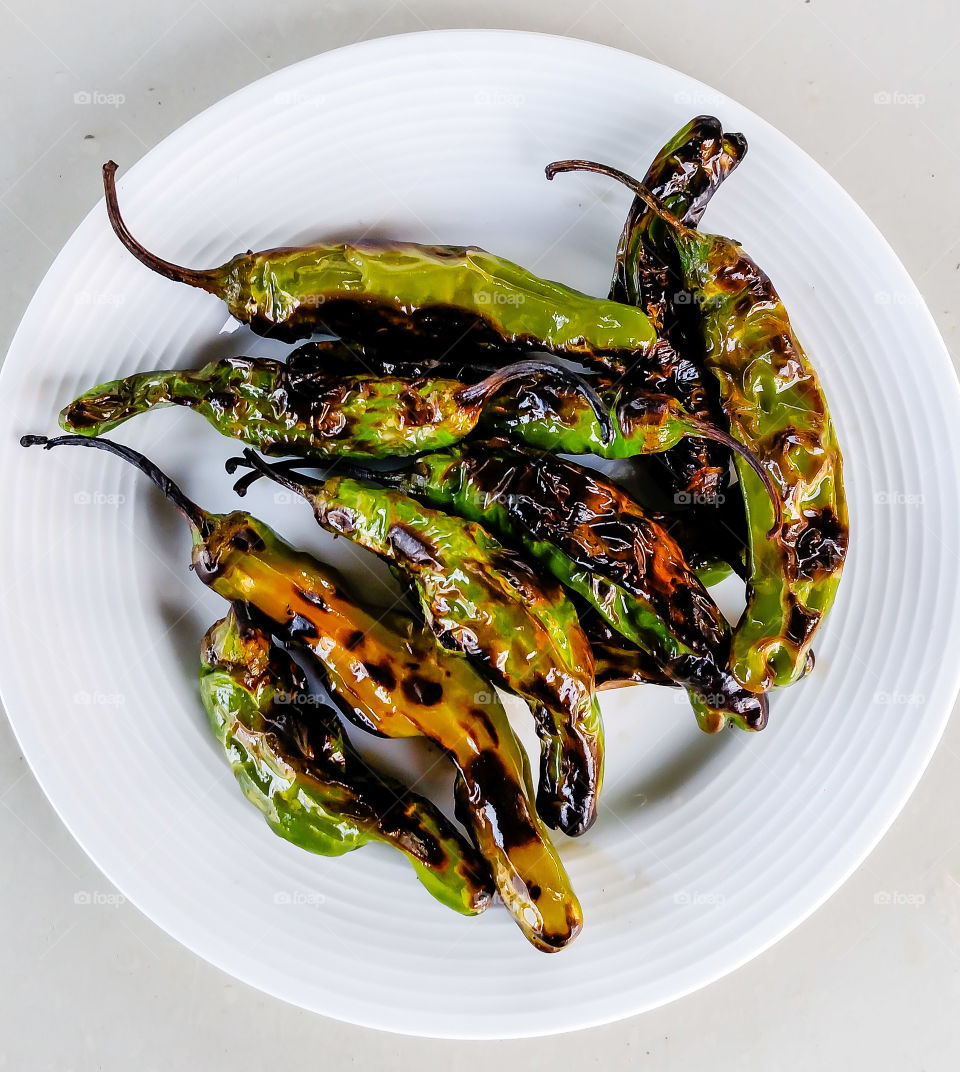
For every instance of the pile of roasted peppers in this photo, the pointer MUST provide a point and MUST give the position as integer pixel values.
(436, 409)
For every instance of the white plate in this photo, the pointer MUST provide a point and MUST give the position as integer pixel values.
(707, 850)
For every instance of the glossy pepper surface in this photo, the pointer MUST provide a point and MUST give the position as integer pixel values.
(684, 175)
(396, 685)
(484, 600)
(601, 545)
(263, 403)
(436, 295)
(293, 761)
(557, 417)
(775, 406)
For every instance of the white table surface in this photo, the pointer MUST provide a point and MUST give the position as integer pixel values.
(872, 980)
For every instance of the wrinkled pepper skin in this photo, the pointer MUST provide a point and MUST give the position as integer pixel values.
(772, 399)
(405, 687)
(558, 418)
(291, 758)
(621, 664)
(396, 685)
(554, 419)
(261, 403)
(617, 662)
(713, 540)
(362, 417)
(484, 600)
(684, 176)
(601, 545)
(436, 295)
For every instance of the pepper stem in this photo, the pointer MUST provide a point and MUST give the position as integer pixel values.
(338, 467)
(703, 428)
(193, 277)
(558, 167)
(282, 473)
(198, 519)
(478, 393)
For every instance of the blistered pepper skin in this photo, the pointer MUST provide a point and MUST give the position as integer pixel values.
(262, 403)
(256, 401)
(776, 408)
(269, 405)
(554, 419)
(601, 545)
(484, 600)
(295, 764)
(684, 176)
(436, 295)
(557, 418)
(407, 686)
(396, 684)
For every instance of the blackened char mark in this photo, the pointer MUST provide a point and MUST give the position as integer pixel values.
(311, 366)
(601, 531)
(354, 640)
(382, 674)
(428, 331)
(410, 547)
(247, 539)
(407, 831)
(568, 801)
(801, 623)
(315, 599)
(300, 628)
(487, 787)
(341, 519)
(820, 544)
(421, 690)
(718, 688)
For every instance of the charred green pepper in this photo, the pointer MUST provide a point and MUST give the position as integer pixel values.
(293, 761)
(684, 175)
(395, 685)
(435, 295)
(555, 417)
(260, 402)
(484, 600)
(775, 406)
(601, 545)
(617, 662)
